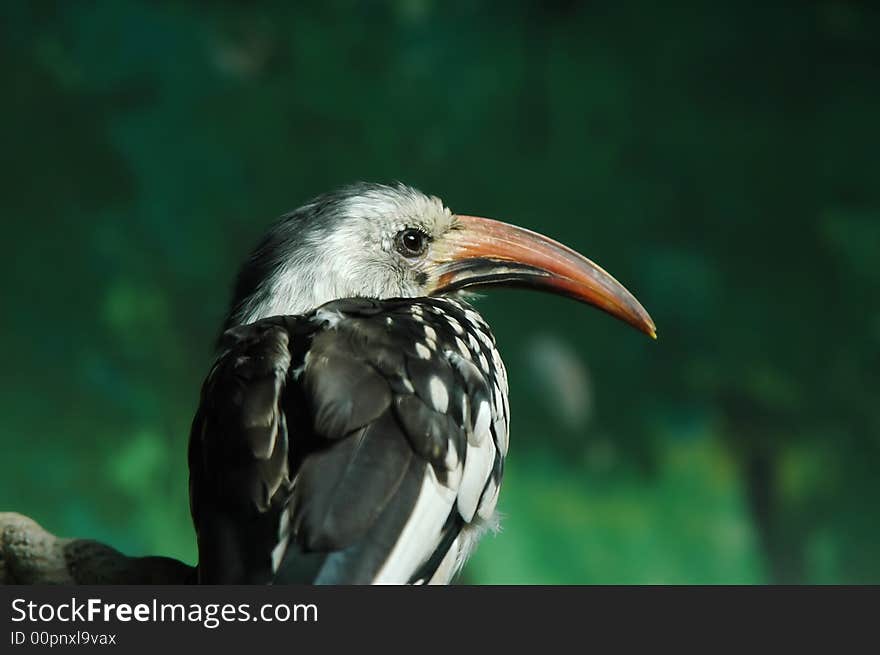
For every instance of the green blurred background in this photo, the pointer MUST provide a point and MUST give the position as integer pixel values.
(723, 161)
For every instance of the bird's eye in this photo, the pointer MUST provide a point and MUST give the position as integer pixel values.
(411, 242)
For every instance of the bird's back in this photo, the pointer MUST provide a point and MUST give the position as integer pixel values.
(361, 443)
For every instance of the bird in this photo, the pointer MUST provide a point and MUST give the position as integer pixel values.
(354, 424)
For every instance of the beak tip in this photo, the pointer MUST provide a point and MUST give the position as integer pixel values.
(648, 328)
(638, 317)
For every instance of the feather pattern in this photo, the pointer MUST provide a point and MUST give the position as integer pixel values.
(362, 442)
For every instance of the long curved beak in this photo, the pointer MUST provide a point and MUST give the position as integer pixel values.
(480, 252)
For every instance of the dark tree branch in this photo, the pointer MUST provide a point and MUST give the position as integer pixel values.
(30, 555)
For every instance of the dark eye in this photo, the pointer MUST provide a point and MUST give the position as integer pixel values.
(411, 242)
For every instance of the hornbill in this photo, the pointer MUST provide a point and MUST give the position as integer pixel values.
(354, 425)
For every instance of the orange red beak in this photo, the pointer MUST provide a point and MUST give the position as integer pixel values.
(481, 251)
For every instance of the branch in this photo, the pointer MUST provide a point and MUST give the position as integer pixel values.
(30, 555)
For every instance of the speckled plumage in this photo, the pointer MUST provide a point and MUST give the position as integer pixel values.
(317, 436)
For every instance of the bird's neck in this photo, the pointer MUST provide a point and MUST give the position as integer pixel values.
(289, 292)
(299, 286)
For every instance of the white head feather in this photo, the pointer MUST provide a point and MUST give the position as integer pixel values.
(340, 245)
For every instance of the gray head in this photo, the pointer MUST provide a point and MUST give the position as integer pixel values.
(380, 241)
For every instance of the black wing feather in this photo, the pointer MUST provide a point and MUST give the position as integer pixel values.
(314, 436)
(341, 490)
